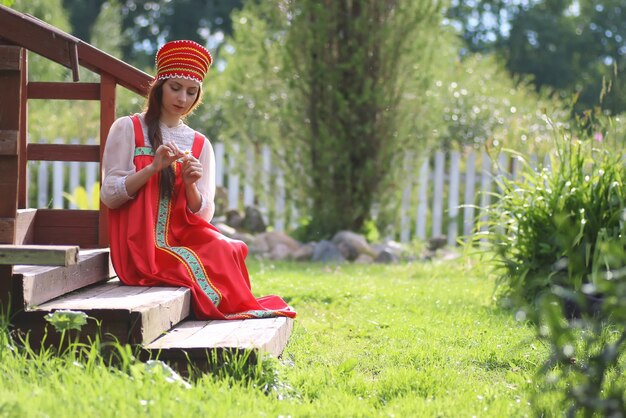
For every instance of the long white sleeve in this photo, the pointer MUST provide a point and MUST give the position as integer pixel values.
(206, 184)
(117, 163)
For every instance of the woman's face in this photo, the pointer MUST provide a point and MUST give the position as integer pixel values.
(179, 96)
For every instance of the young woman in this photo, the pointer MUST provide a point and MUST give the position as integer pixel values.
(159, 183)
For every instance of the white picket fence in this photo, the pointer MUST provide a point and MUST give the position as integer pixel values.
(443, 194)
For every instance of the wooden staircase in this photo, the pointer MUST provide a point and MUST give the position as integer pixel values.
(157, 319)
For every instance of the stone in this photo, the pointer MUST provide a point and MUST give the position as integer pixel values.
(245, 237)
(352, 244)
(253, 221)
(274, 238)
(304, 253)
(226, 229)
(259, 245)
(385, 257)
(364, 259)
(325, 251)
(234, 218)
(435, 243)
(280, 252)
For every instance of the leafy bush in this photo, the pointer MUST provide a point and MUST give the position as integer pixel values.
(550, 225)
(558, 237)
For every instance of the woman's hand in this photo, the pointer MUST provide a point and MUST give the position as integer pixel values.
(192, 170)
(165, 155)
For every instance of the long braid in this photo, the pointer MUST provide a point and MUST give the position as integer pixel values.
(153, 114)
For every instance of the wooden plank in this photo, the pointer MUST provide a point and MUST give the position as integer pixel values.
(197, 337)
(8, 185)
(10, 58)
(40, 255)
(42, 284)
(19, 230)
(107, 117)
(36, 35)
(149, 311)
(67, 227)
(63, 91)
(25, 226)
(470, 197)
(7, 230)
(405, 204)
(122, 73)
(178, 334)
(422, 201)
(10, 86)
(438, 195)
(209, 335)
(8, 142)
(22, 185)
(158, 310)
(485, 189)
(114, 297)
(63, 152)
(453, 198)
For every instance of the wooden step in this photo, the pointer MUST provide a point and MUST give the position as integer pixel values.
(39, 255)
(132, 314)
(34, 285)
(196, 341)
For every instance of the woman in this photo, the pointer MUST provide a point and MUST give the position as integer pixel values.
(159, 184)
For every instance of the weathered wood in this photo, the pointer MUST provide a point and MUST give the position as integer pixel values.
(22, 184)
(146, 311)
(124, 74)
(8, 186)
(36, 35)
(67, 227)
(8, 142)
(63, 91)
(42, 284)
(25, 226)
(470, 196)
(107, 117)
(38, 255)
(10, 88)
(63, 152)
(19, 230)
(7, 230)
(10, 58)
(453, 197)
(269, 335)
(422, 201)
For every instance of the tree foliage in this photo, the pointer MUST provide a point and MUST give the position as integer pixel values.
(575, 47)
(342, 82)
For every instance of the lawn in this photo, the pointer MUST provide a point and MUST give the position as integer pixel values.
(406, 340)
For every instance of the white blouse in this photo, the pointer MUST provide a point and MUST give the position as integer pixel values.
(119, 151)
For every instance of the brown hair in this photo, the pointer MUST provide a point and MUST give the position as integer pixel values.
(153, 116)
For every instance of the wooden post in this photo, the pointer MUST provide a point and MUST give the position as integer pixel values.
(10, 86)
(22, 198)
(107, 117)
(10, 106)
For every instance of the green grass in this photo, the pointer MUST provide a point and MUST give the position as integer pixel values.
(404, 340)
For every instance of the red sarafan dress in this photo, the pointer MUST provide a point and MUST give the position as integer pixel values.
(158, 241)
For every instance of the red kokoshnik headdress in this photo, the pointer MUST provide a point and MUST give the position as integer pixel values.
(185, 59)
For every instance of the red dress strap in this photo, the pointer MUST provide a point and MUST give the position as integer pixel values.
(198, 143)
(139, 141)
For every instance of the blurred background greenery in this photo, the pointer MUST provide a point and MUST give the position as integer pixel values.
(342, 90)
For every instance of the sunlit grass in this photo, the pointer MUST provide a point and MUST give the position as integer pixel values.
(403, 340)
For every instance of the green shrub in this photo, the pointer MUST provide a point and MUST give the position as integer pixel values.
(550, 225)
(558, 237)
